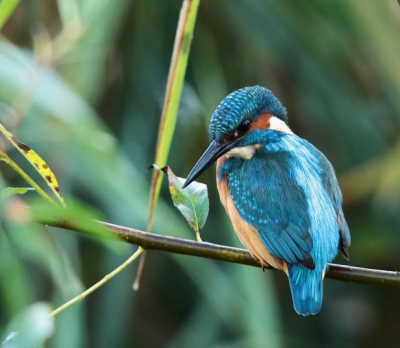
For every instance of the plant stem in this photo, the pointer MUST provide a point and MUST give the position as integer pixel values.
(198, 237)
(98, 284)
(176, 76)
(4, 157)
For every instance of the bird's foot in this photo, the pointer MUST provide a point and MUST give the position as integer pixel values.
(263, 265)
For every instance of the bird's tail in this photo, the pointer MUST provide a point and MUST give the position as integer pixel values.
(306, 287)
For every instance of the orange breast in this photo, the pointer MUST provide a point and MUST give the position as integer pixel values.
(247, 234)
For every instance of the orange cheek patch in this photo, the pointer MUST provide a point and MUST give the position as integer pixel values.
(262, 122)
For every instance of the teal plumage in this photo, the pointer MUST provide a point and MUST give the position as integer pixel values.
(282, 187)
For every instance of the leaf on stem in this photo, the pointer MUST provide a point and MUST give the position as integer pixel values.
(192, 202)
(11, 191)
(37, 162)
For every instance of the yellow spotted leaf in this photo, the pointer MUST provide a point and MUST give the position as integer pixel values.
(37, 162)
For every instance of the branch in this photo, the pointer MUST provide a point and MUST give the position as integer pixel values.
(223, 253)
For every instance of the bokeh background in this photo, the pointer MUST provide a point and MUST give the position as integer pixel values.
(82, 82)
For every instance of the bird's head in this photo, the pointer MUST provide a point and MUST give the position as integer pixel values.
(236, 124)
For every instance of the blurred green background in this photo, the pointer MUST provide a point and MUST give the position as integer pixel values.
(82, 82)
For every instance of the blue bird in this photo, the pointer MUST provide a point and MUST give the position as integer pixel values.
(280, 192)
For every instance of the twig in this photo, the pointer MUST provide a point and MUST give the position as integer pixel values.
(99, 283)
(224, 253)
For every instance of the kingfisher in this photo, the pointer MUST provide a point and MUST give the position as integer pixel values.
(279, 191)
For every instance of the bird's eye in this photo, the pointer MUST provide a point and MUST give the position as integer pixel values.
(244, 126)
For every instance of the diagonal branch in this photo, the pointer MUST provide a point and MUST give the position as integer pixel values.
(223, 253)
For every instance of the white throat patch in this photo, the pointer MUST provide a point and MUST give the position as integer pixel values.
(245, 152)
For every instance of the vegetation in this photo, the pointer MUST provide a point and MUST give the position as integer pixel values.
(83, 84)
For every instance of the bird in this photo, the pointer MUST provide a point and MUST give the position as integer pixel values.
(279, 191)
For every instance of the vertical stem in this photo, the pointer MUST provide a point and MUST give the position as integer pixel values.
(180, 55)
(198, 237)
(176, 76)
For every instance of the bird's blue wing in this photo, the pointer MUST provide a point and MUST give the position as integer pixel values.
(269, 199)
(331, 186)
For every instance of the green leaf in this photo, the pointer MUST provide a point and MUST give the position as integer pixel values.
(5, 158)
(81, 214)
(7, 8)
(192, 202)
(30, 328)
(36, 161)
(11, 191)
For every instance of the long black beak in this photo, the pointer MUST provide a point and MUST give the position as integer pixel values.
(213, 152)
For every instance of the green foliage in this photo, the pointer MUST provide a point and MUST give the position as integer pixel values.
(36, 161)
(30, 329)
(81, 214)
(7, 7)
(179, 60)
(82, 82)
(192, 202)
(10, 191)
